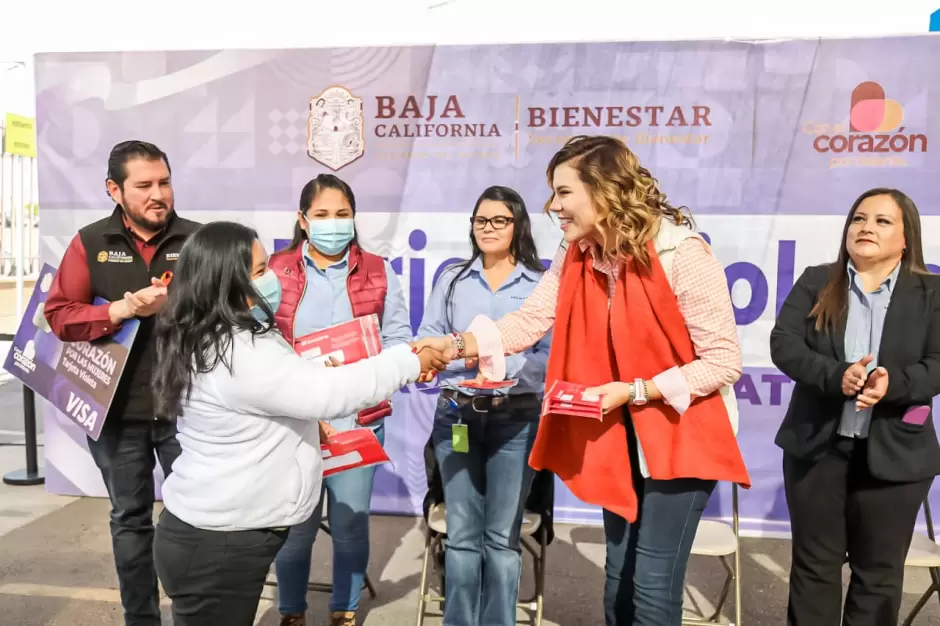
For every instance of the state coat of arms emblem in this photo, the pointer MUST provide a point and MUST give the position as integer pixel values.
(335, 130)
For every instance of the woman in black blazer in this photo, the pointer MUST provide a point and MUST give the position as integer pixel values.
(861, 339)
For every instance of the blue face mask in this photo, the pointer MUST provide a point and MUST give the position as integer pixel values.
(269, 287)
(331, 236)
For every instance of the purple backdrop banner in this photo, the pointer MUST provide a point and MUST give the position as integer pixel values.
(79, 379)
(768, 144)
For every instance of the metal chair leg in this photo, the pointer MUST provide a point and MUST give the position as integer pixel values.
(725, 590)
(732, 578)
(423, 585)
(540, 580)
(737, 587)
(921, 602)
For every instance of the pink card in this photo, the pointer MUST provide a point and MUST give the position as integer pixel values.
(563, 408)
(566, 398)
(574, 394)
(916, 415)
(351, 449)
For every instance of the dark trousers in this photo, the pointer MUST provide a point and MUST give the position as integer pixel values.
(125, 453)
(647, 560)
(213, 577)
(836, 509)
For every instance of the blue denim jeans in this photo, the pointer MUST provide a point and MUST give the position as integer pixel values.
(485, 490)
(350, 497)
(126, 454)
(647, 560)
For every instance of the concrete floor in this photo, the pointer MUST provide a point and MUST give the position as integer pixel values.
(56, 567)
(56, 570)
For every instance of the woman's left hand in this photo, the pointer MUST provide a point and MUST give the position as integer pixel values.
(613, 395)
(874, 390)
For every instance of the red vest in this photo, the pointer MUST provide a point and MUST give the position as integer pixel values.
(366, 286)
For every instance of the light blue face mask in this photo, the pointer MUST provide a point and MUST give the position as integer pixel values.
(331, 236)
(269, 288)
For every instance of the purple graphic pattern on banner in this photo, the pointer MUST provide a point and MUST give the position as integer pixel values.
(768, 144)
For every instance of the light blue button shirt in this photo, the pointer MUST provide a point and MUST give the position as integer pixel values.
(473, 296)
(326, 303)
(863, 329)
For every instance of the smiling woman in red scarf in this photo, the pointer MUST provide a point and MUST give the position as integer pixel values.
(642, 315)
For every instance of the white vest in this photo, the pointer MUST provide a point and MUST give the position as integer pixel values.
(666, 241)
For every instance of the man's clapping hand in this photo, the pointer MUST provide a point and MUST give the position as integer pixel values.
(142, 303)
(854, 378)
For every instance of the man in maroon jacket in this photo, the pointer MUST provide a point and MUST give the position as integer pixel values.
(122, 259)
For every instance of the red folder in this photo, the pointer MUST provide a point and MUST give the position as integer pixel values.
(351, 449)
(347, 342)
(566, 398)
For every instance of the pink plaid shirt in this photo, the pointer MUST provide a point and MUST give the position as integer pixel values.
(699, 282)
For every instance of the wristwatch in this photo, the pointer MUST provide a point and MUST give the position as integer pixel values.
(638, 392)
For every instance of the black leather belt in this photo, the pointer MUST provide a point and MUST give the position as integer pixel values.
(485, 404)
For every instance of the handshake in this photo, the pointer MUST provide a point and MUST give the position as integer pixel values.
(434, 353)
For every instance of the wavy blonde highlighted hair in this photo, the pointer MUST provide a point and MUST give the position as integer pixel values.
(625, 195)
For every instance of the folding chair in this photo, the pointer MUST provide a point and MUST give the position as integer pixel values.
(536, 534)
(327, 587)
(717, 539)
(924, 553)
(435, 533)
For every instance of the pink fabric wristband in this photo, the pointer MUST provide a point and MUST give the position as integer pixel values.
(675, 389)
(489, 347)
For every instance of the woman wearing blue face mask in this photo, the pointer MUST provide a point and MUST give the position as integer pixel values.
(246, 407)
(327, 279)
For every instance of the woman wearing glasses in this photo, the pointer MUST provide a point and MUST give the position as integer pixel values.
(482, 442)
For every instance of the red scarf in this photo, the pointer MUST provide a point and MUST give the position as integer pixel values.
(644, 334)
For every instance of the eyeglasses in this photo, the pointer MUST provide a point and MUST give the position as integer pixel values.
(499, 222)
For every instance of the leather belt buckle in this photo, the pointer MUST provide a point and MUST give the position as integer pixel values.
(473, 404)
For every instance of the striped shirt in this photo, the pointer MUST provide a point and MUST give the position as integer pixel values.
(699, 282)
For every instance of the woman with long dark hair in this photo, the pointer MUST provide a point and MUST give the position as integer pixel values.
(247, 408)
(481, 439)
(861, 339)
(327, 279)
(642, 316)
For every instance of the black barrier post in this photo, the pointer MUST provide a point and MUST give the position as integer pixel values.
(31, 475)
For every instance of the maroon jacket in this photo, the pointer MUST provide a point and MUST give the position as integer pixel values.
(366, 286)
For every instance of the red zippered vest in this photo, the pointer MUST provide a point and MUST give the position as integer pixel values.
(366, 286)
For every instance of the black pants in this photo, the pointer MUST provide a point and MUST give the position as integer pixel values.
(125, 453)
(836, 509)
(213, 577)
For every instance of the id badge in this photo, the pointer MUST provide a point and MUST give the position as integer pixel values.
(460, 439)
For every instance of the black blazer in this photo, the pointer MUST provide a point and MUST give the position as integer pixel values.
(815, 361)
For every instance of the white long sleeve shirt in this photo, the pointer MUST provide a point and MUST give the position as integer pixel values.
(250, 443)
